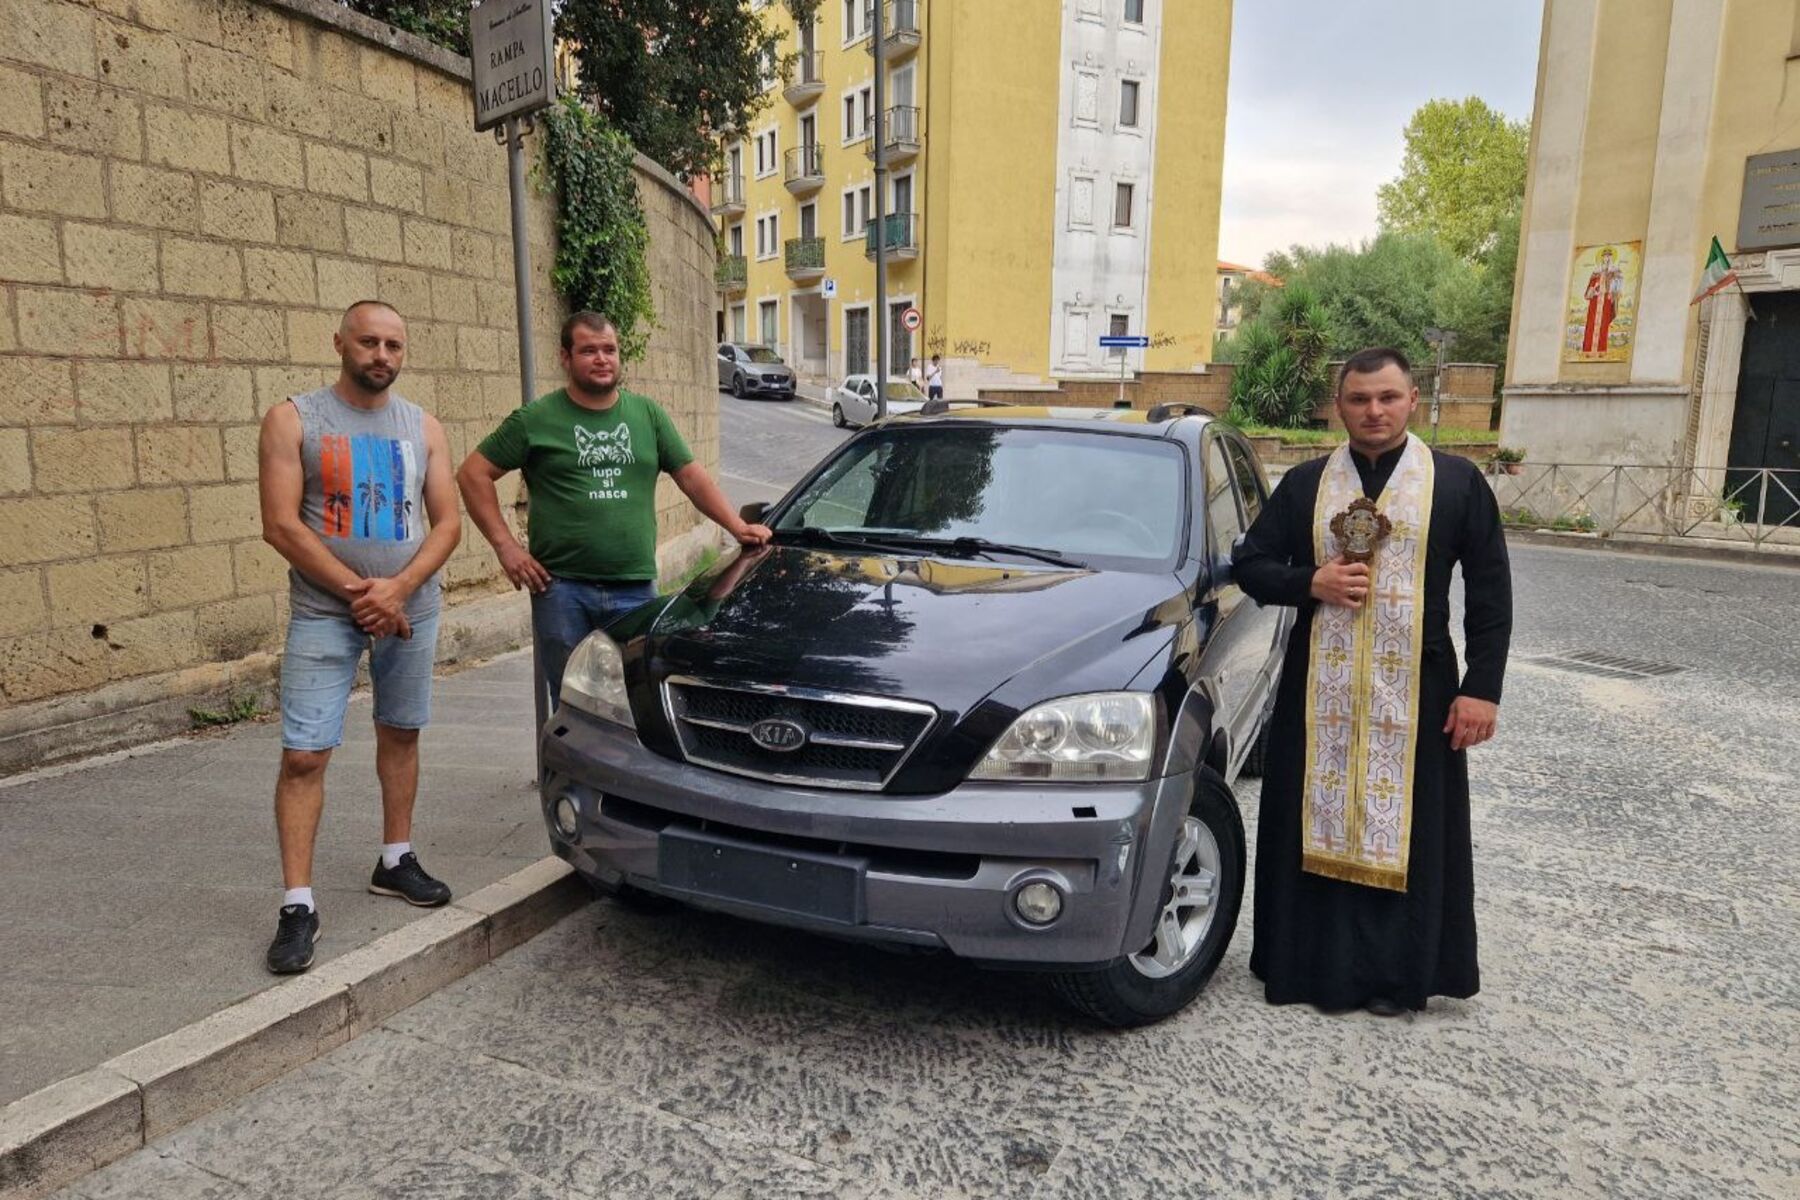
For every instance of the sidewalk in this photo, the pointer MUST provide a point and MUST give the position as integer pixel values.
(139, 892)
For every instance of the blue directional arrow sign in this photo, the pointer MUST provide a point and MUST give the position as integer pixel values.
(1113, 341)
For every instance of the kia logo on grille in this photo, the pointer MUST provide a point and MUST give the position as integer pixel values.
(779, 735)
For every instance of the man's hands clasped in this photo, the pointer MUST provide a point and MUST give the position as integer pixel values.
(378, 606)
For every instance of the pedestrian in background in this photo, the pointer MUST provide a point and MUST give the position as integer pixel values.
(934, 379)
(350, 477)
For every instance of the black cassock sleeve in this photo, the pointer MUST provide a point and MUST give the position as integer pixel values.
(1271, 561)
(1487, 594)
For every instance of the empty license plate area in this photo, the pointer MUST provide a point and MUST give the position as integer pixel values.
(796, 882)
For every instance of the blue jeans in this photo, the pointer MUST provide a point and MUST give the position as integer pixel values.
(568, 610)
(318, 669)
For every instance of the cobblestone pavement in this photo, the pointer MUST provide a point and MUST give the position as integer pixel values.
(1638, 1034)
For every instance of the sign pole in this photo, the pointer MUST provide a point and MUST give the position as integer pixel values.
(512, 61)
(515, 180)
(514, 136)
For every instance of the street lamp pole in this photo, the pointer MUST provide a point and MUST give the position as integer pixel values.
(1442, 339)
(879, 32)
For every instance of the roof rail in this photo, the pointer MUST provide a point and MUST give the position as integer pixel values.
(1162, 412)
(941, 405)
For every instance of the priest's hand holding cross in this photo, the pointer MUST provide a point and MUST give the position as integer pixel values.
(1341, 583)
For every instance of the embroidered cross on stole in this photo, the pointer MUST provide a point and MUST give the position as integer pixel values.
(1362, 684)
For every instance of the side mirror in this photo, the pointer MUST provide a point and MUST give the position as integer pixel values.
(753, 514)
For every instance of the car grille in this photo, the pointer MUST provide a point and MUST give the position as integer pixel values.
(854, 742)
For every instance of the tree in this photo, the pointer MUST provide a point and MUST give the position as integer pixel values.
(674, 75)
(671, 75)
(1477, 301)
(1463, 174)
(1281, 373)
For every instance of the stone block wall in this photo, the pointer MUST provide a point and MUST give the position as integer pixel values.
(190, 193)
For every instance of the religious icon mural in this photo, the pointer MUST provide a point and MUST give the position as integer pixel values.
(1602, 314)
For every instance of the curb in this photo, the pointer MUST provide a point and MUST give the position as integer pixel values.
(62, 1132)
(1651, 549)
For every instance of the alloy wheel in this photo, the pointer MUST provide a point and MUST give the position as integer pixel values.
(1189, 906)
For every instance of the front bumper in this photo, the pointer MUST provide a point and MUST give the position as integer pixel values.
(768, 387)
(930, 871)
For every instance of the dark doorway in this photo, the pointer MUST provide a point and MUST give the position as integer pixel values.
(1765, 431)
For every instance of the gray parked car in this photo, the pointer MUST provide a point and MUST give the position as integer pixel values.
(985, 694)
(754, 371)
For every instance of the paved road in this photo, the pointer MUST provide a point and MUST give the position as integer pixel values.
(1638, 1033)
(765, 445)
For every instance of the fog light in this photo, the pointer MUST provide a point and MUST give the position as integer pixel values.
(567, 819)
(1039, 903)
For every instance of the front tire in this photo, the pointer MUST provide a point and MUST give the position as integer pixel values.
(1202, 889)
(737, 386)
(837, 415)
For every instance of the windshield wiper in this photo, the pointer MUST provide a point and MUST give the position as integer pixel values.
(828, 537)
(978, 545)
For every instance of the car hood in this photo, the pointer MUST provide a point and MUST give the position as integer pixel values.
(944, 631)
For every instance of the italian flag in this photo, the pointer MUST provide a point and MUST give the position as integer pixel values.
(1718, 274)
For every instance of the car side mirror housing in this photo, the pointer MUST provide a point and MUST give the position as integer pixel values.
(753, 514)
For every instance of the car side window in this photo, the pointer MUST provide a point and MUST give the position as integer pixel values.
(1222, 515)
(1249, 483)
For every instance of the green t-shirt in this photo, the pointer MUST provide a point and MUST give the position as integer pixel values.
(592, 478)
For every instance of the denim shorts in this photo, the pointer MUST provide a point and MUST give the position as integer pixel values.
(568, 610)
(318, 670)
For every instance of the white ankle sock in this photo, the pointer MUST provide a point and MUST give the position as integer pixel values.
(391, 852)
(298, 896)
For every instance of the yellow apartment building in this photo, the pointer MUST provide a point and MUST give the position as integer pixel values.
(1660, 125)
(1054, 175)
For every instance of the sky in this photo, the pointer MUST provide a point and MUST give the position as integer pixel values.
(1321, 91)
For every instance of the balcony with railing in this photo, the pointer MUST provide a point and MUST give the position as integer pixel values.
(805, 258)
(804, 168)
(902, 236)
(903, 28)
(807, 83)
(731, 273)
(728, 196)
(902, 133)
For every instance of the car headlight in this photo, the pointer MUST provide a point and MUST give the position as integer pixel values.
(1105, 736)
(594, 681)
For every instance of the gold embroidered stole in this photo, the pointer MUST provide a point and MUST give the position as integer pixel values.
(1362, 685)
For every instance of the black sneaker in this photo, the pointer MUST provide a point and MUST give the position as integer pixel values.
(408, 880)
(292, 950)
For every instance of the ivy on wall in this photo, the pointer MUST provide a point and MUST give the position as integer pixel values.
(602, 240)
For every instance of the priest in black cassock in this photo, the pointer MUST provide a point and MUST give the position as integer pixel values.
(1365, 891)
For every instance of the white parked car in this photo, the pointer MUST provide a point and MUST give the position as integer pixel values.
(854, 402)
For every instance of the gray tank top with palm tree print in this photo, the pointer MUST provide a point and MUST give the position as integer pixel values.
(364, 495)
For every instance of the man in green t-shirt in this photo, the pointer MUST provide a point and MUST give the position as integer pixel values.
(590, 453)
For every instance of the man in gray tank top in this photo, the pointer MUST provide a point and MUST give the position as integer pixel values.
(352, 476)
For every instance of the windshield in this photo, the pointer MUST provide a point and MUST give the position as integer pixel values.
(762, 354)
(1082, 495)
(906, 393)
